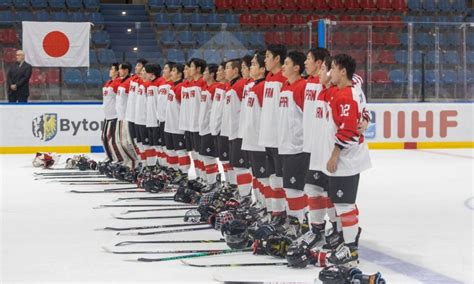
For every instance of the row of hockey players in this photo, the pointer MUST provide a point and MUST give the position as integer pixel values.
(295, 143)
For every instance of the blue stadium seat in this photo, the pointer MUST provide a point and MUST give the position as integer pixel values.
(231, 54)
(470, 39)
(449, 77)
(39, 4)
(5, 4)
(431, 57)
(242, 37)
(445, 6)
(105, 75)
(203, 37)
(451, 57)
(156, 4)
(73, 77)
(404, 39)
(176, 55)
(213, 21)
(257, 39)
(414, 5)
(24, 16)
(78, 17)
(424, 39)
(429, 6)
(232, 20)
(401, 56)
(430, 76)
(101, 38)
(93, 57)
(425, 22)
(194, 53)
(162, 20)
(74, 4)
(416, 76)
(106, 56)
(186, 38)
(57, 4)
(457, 19)
(459, 5)
(409, 18)
(190, 4)
(206, 5)
(42, 16)
(470, 57)
(168, 38)
(397, 76)
(93, 77)
(91, 4)
(469, 76)
(60, 17)
(173, 4)
(417, 57)
(97, 18)
(198, 20)
(6, 17)
(181, 20)
(212, 56)
(454, 39)
(221, 39)
(442, 19)
(21, 4)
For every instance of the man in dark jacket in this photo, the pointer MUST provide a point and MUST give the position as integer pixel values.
(18, 80)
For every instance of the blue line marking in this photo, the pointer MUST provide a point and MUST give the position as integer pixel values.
(414, 271)
(97, 149)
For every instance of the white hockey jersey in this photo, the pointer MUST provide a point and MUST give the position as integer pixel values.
(173, 109)
(251, 111)
(313, 89)
(205, 105)
(151, 96)
(185, 107)
(109, 93)
(140, 104)
(194, 91)
(133, 88)
(162, 99)
(231, 111)
(122, 97)
(217, 108)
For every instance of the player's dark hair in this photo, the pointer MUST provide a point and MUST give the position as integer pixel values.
(260, 58)
(199, 63)
(116, 65)
(247, 59)
(298, 59)
(170, 64)
(236, 63)
(319, 53)
(223, 63)
(327, 62)
(347, 62)
(213, 70)
(278, 50)
(143, 61)
(153, 68)
(126, 65)
(179, 67)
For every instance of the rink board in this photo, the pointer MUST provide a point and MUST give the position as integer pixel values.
(76, 127)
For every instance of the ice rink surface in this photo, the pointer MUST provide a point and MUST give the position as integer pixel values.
(416, 212)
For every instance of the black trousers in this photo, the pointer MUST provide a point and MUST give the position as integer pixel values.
(15, 98)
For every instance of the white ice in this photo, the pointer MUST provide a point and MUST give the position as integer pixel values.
(416, 211)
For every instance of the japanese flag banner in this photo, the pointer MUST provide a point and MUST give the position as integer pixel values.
(56, 44)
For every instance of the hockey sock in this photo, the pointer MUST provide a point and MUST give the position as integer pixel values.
(257, 190)
(244, 181)
(197, 165)
(232, 176)
(317, 198)
(184, 161)
(211, 168)
(296, 203)
(267, 193)
(226, 165)
(172, 159)
(349, 215)
(278, 195)
(150, 156)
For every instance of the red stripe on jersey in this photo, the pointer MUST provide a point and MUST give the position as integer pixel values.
(316, 203)
(267, 192)
(227, 166)
(244, 179)
(329, 203)
(212, 168)
(172, 160)
(297, 203)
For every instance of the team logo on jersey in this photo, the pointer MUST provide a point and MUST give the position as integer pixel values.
(208, 150)
(292, 180)
(316, 176)
(339, 193)
(45, 127)
(241, 161)
(262, 170)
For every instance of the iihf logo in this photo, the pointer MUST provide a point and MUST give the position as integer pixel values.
(45, 127)
(339, 193)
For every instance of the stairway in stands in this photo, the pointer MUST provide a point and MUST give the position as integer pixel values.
(131, 33)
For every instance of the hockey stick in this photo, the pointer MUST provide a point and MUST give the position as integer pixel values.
(181, 230)
(126, 243)
(151, 227)
(225, 251)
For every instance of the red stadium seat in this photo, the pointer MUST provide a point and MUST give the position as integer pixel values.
(358, 38)
(387, 57)
(379, 21)
(223, 4)
(2, 77)
(336, 5)
(399, 5)
(8, 36)
(272, 4)
(384, 5)
(368, 5)
(289, 5)
(52, 76)
(297, 38)
(361, 73)
(377, 39)
(352, 5)
(346, 18)
(263, 20)
(297, 20)
(240, 5)
(330, 17)
(321, 5)
(246, 19)
(391, 39)
(395, 22)
(36, 77)
(270, 37)
(381, 77)
(305, 5)
(362, 18)
(281, 20)
(9, 55)
(340, 39)
(256, 4)
(313, 18)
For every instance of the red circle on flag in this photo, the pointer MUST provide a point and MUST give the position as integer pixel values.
(56, 44)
